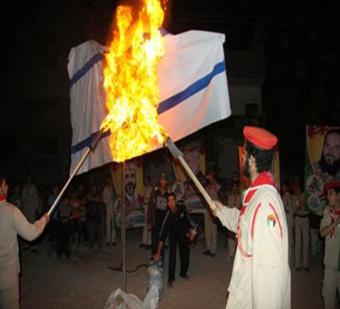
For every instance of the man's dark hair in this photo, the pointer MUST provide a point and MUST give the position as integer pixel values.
(2, 176)
(263, 158)
(337, 190)
(170, 194)
(147, 177)
(234, 182)
(331, 131)
(212, 173)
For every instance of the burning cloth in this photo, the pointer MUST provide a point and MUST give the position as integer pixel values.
(192, 84)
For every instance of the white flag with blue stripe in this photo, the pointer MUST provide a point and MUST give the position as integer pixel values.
(192, 82)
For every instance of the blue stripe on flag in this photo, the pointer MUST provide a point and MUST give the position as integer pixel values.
(166, 104)
(191, 90)
(86, 142)
(88, 65)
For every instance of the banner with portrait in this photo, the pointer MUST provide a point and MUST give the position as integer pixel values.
(133, 193)
(322, 164)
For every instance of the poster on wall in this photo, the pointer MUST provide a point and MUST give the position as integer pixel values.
(322, 164)
(133, 193)
(194, 155)
(245, 182)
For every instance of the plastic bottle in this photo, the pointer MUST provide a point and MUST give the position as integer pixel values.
(155, 276)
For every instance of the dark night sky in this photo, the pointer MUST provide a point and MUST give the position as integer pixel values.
(300, 45)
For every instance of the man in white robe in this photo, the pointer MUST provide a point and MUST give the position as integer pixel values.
(261, 274)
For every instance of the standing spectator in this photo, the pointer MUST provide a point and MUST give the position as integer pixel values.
(157, 210)
(289, 209)
(83, 225)
(234, 201)
(12, 224)
(314, 224)
(30, 203)
(30, 199)
(52, 228)
(147, 191)
(95, 218)
(301, 231)
(210, 227)
(109, 198)
(176, 225)
(64, 214)
(75, 204)
(330, 229)
(84, 233)
(15, 197)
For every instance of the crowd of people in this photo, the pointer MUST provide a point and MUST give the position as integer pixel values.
(83, 216)
(267, 229)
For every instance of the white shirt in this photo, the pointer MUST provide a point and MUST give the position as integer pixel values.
(261, 274)
(13, 223)
(332, 241)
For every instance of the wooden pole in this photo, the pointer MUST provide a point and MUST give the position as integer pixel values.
(74, 172)
(95, 140)
(179, 156)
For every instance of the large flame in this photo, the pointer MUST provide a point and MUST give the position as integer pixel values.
(131, 81)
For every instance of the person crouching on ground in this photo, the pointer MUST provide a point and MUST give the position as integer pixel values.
(13, 223)
(330, 229)
(177, 225)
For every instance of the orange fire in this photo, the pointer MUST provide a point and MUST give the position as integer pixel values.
(131, 81)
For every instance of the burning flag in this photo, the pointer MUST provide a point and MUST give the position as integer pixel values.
(131, 81)
(192, 87)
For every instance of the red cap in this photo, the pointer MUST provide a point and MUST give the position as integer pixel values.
(260, 138)
(331, 185)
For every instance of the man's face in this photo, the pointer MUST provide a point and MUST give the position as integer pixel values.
(171, 202)
(93, 189)
(210, 177)
(331, 197)
(162, 182)
(337, 200)
(146, 181)
(4, 187)
(331, 150)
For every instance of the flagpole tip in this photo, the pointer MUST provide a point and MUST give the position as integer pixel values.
(173, 148)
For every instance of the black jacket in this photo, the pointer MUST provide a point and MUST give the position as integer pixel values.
(176, 224)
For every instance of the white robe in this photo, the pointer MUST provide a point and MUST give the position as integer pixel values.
(261, 274)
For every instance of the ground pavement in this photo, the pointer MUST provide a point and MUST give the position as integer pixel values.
(47, 282)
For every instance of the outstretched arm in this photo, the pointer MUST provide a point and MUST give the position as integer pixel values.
(28, 230)
(228, 216)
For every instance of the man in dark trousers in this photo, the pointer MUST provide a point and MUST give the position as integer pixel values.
(157, 210)
(178, 226)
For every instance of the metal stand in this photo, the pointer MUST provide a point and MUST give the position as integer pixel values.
(123, 226)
